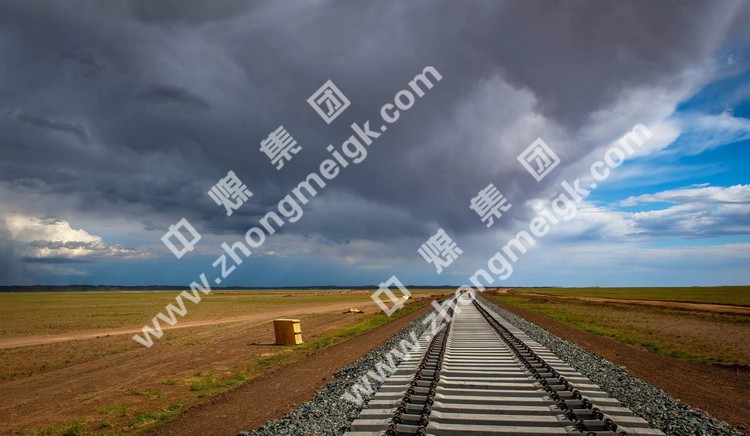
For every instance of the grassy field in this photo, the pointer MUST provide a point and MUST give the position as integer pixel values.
(111, 385)
(63, 312)
(698, 336)
(737, 295)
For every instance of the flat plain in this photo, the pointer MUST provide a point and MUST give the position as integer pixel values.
(708, 325)
(692, 342)
(68, 364)
(733, 295)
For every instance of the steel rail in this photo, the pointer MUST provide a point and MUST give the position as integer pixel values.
(480, 375)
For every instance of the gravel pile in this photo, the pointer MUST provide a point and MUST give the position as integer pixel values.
(649, 402)
(328, 413)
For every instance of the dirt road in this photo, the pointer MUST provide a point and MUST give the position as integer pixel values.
(146, 378)
(25, 341)
(248, 406)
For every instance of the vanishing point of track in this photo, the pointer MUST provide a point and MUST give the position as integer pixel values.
(480, 375)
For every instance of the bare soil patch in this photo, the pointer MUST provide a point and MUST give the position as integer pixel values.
(26, 341)
(131, 379)
(720, 391)
(276, 393)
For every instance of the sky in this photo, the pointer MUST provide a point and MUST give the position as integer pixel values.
(118, 118)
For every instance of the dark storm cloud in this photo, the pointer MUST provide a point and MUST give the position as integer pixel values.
(165, 94)
(11, 270)
(579, 56)
(60, 126)
(190, 11)
(158, 100)
(149, 225)
(54, 260)
(90, 67)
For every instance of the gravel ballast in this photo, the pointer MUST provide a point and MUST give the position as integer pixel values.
(649, 402)
(329, 414)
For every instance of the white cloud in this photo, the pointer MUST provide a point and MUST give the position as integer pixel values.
(695, 194)
(652, 106)
(48, 239)
(701, 132)
(696, 212)
(26, 228)
(699, 211)
(644, 173)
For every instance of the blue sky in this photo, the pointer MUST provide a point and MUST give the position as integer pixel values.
(118, 121)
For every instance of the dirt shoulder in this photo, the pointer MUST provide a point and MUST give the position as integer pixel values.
(145, 380)
(679, 305)
(274, 394)
(719, 391)
(24, 341)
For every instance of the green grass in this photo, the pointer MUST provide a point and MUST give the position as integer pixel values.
(117, 409)
(737, 295)
(208, 385)
(70, 428)
(272, 360)
(647, 327)
(132, 418)
(151, 419)
(64, 312)
(365, 324)
(205, 384)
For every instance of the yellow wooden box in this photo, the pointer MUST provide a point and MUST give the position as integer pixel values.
(288, 331)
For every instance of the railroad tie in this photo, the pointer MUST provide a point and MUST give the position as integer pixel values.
(481, 375)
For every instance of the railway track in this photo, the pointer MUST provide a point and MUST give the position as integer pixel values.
(480, 375)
